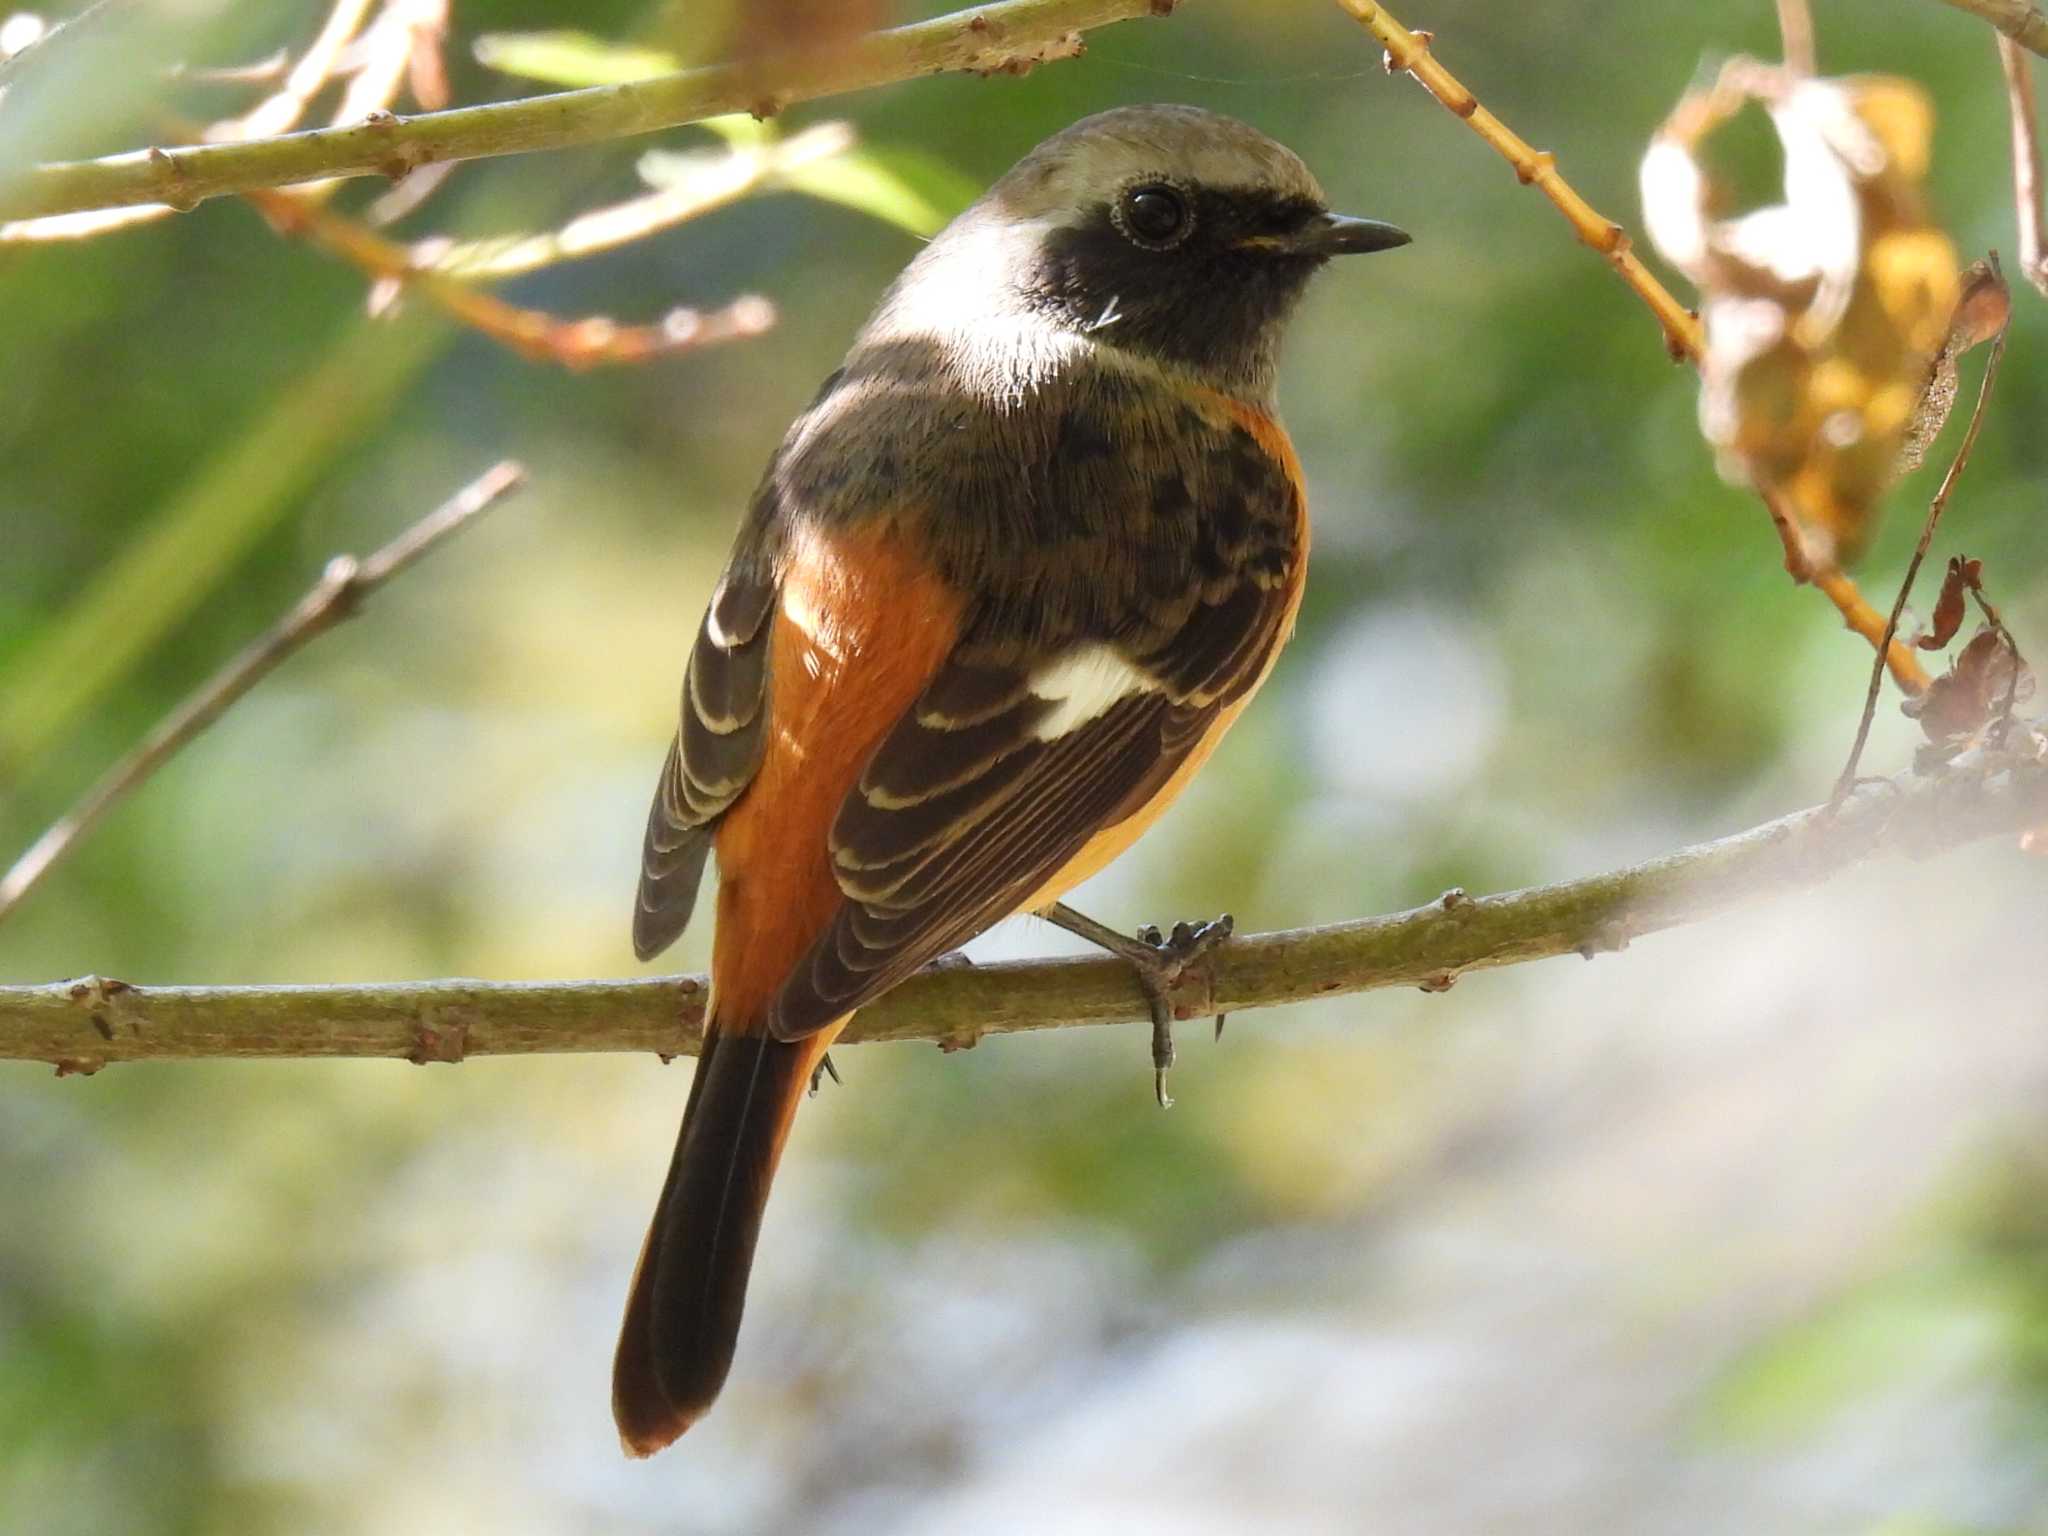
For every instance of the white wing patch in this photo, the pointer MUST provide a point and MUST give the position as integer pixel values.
(1083, 684)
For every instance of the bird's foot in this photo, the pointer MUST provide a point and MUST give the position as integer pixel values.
(823, 1070)
(1159, 962)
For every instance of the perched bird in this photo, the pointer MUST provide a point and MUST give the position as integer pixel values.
(1004, 586)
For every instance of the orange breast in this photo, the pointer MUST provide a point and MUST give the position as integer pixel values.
(863, 626)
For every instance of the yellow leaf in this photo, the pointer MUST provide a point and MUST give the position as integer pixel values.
(1825, 314)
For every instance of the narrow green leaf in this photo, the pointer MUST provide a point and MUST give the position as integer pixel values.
(205, 527)
(741, 130)
(570, 58)
(905, 187)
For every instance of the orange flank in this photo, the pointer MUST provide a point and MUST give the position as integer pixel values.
(863, 626)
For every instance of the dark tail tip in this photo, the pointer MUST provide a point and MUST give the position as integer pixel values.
(683, 1315)
(648, 1421)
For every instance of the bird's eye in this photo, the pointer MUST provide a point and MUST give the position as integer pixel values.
(1155, 214)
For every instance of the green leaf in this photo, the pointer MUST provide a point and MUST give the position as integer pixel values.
(205, 527)
(741, 130)
(904, 187)
(570, 58)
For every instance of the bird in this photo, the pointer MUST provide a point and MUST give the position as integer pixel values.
(1003, 586)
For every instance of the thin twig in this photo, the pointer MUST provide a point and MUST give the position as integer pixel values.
(2002, 724)
(1935, 507)
(532, 333)
(1836, 585)
(402, 31)
(1683, 336)
(1840, 588)
(261, 72)
(990, 39)
(723, 179)
(1795, 26)
(84, 1024)
(2020, 20)
(341, 590)
(389, 54)
(1410, 52)
(2026, 160)
(280, 111)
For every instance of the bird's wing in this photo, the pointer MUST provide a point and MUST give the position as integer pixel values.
(1021, 749)
(717, 749)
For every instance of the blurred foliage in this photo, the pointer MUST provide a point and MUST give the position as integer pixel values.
(1968, 1298)
(1740, 1230)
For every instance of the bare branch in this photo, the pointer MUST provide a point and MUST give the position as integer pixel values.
(714, 184)
(2026, 161)
(1935, 507)
(1840, 589)
(404, 29)
(534, 334)
(999, 38)
(1410, 52)
(2020, 20)
(1683, 336)
(341, 591)
(82, 1025)
(1795, 27)
(277, 113)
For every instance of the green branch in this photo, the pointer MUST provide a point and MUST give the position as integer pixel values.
(2020, 20)
(1006, 38)
(82, 1025)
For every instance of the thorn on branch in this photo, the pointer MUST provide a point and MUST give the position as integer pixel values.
(447, 1043)
(1609, 937)
(101, 996)
(1002, 60)
(403, 158)
(177, 195)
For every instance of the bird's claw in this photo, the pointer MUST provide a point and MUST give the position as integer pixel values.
(1161, 960)
(823, 1070)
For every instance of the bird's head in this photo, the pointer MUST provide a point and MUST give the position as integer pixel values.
(1165, 231)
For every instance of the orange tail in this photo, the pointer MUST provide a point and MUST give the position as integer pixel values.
(683, 1316)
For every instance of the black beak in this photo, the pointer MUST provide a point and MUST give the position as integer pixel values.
(1337, 234)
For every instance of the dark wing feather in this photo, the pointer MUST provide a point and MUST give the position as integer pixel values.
(964, 811)
(717, 749)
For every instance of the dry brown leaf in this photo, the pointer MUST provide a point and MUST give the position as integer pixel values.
(1986, 676)
(1823, 313)
(1963, 575)
(1981, 313)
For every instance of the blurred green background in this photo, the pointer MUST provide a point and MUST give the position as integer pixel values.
(1745, 1229)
